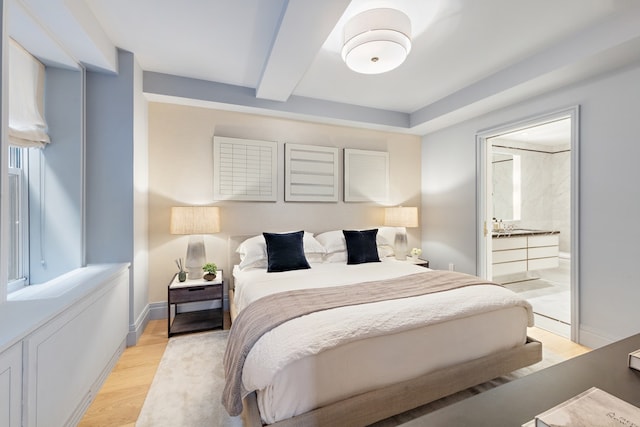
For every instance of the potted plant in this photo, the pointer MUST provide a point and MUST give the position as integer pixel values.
(210, 271)
(416, 252)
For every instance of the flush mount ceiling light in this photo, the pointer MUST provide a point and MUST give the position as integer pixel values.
(376, 41)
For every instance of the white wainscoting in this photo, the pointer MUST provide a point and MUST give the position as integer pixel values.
(70, 333)
(11, 386)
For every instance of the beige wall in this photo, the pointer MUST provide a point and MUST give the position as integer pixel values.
(181, 173)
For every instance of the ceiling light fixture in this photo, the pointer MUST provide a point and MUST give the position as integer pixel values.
(376, 41)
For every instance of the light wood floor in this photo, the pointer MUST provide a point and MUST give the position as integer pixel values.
(557, 344)
(121, 397)
(120, 400)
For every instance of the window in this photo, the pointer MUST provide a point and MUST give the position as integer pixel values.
(27, 128)
(18, 218)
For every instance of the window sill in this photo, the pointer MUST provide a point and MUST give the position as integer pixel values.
(33, 306)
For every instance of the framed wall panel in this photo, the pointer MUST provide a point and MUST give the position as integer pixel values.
(245, 169)
(311, 173)
(366, 175)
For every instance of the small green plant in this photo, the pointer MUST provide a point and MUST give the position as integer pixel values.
(210, 268)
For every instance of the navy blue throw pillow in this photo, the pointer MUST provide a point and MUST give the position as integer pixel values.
(361, 246)
(285, 251)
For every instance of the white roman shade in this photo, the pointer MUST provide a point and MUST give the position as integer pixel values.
(27, 127)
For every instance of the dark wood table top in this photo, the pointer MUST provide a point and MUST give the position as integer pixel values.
(519, 401)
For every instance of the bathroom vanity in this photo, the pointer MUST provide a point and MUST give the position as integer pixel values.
(521, 250)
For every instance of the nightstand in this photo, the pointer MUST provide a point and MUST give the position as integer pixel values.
(418, 261)
(194, 291)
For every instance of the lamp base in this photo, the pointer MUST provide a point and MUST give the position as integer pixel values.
(400, 244)
(195, 257)
(194, 273)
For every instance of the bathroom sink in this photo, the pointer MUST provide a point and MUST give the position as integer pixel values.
(520, 231)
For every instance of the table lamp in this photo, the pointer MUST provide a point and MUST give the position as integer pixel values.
(401, 217)
(195, 221)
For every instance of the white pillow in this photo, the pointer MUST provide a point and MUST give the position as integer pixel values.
(385, 251)
(253, 251)
(333, 241)
(314, 258)
(385, 240)
(340, 256)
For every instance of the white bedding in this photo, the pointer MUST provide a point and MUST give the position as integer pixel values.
(329, 355)
(253, 283)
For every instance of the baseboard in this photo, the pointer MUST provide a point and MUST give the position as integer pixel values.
(136, 330)
(157, 310)
(552, 325)
(593, 338)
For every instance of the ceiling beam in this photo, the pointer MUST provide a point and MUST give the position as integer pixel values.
(71, 25)
(25, 29)
(303, 29)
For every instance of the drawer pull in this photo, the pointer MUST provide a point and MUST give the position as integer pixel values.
(195, 289)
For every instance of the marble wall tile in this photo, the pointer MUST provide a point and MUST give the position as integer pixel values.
(545, 189)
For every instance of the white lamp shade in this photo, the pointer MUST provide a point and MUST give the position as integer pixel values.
(195, 220)
(401, 216)
(376, 41)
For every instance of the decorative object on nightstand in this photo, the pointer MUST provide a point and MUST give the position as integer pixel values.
(401, 217)
(195, 221)
(194, 291)
(182, 275)
(210, 271)
(415, 253)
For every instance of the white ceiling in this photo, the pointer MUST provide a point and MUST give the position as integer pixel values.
(553, 136)
(468, 56)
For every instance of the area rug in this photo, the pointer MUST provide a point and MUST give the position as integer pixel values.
(187, 387)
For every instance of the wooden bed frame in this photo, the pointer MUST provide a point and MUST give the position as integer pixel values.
(376, 405)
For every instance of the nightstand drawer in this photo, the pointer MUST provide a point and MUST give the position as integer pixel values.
(195, 293)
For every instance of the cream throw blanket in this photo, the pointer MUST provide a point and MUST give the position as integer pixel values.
(270, 311)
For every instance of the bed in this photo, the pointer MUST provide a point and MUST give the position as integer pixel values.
(357, 363)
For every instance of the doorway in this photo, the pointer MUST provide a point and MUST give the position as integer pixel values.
(528, 210)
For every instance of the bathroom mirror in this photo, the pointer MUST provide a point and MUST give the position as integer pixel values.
(506, 186)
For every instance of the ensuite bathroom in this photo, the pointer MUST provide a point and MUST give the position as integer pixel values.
(531, 230)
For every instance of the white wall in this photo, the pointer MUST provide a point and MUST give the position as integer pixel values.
(181, 173)
(609, 206)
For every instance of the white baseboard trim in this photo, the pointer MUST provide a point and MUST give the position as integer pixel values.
(552, 325)
(592, 338)
(157, 310)
(136, 330)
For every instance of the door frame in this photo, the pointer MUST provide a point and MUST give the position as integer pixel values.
(484, 191)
